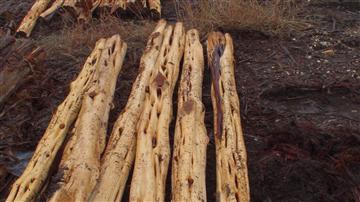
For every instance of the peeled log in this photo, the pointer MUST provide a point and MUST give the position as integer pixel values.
(152, 147)
(120, 152)
(231, 159)
(189, 158)
(29, 21)
(33, 178)
(81, 160)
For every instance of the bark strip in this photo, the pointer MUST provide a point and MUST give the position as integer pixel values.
(120, 151)
(29, 21)
(33, 178)
(152, 147)
(189, 158)
(81, 160)
(231, 159)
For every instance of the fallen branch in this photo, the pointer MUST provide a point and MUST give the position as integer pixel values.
(33, 178)
(17, 57)
(120, 151)
(189, 158)
(231, 160)
(29, 21)
(152, 147)
(81, 160)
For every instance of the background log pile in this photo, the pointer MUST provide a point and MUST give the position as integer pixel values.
(82, 10)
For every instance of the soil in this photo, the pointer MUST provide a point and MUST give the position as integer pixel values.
(300, 107)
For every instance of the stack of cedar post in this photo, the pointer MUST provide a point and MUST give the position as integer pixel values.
(91, 171)
(17, 58)
(82, 10)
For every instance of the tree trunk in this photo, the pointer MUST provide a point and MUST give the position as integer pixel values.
(189, 158)
(81, 160)
(152, 147)
(29, 21)
(231, 160)
(31, 181)
(120, 151)
(16, 60)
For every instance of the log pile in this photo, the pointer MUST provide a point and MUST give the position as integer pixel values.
(119, 156)
(17, 58)
(153, 147)
(231, 159)
(189, 157)
(91, 95)
(82, 10)
(91, 170)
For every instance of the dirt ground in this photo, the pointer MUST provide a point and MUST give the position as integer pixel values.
(300, 102)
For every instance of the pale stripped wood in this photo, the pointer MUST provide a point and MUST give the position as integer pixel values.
(231, 159)
(189, 158)
(29, 21)
(119, 156)
(31, 181)
(152, 147)
(80, 163)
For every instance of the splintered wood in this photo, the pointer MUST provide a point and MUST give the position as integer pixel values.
(82, 10)
(120, 151)
(189, 158)
(81, 159)
(95, 82)
(153, 148)
(231, 160)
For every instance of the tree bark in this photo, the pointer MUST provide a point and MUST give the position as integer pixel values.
(81, 160)
(29, 21)
(152, 148)
(189, 158)
(33, 178)
(119, 156)
(231, 160)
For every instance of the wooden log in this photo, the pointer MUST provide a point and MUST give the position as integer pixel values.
(119, 156)
(189, 157)
(17, 58)
(33, 178)
(155, 8)
(29, 21)
(80, 164)
(152, 146)
(231, 160)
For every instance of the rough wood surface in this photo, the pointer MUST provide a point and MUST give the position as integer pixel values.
(152, 147)
(189, 157)
(119, 156)
(80, 164)
(29, 21)
(231, 159)
(33, 178)
(17, 58)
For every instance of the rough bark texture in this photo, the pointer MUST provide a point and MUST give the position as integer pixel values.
(189, 158)
(17, 57)
(81, 159)
(31, 181)
(231, 160)
(29, 21)
(152, 148)
(120, 151)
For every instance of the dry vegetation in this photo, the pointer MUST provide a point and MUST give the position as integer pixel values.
(274, 17)
(77, 40)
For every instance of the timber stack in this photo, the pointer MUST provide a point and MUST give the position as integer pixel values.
(82, 10)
